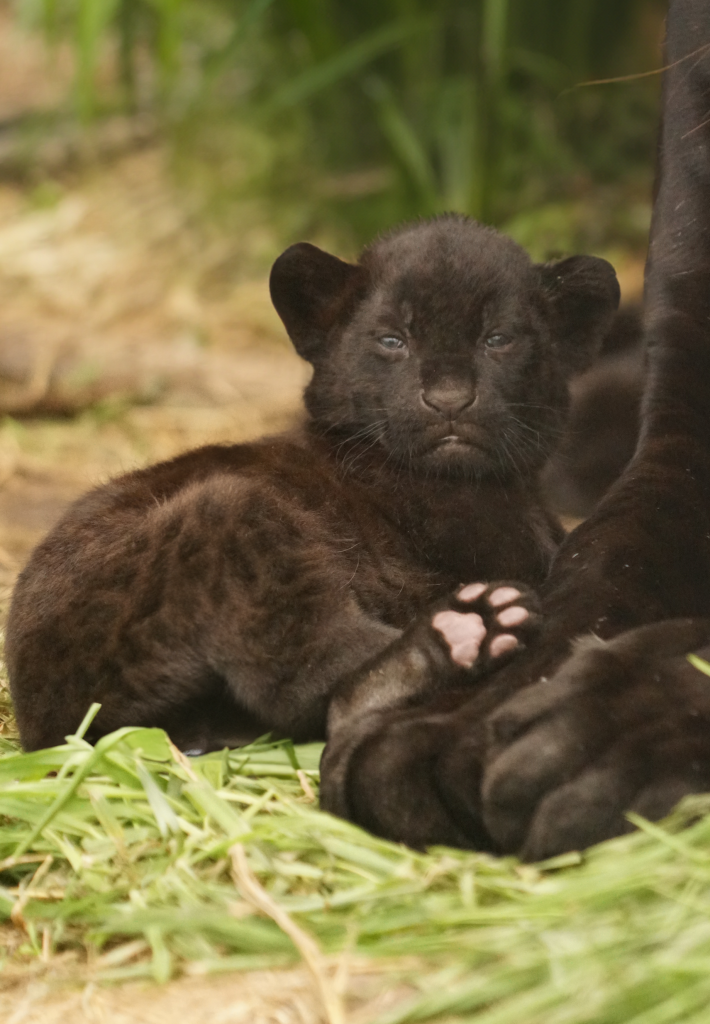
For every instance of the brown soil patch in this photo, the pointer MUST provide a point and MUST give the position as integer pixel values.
(257, 997)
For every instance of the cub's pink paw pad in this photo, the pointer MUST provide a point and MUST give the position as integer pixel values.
(487, 622)
(463, 633)
(472, 591)
(502, 644)
(513, 616)
(503, 595)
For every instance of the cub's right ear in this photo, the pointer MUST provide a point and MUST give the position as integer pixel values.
(583, 293)
(310, 290)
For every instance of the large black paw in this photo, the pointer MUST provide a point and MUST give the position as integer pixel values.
(622, 726)
(389, 774)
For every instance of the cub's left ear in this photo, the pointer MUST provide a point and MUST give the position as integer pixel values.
(583, 294)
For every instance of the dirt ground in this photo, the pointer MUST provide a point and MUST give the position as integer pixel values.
(127, 334)
(256, 997)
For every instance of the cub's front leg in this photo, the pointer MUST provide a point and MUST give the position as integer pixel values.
(462, 639)
(478, 629)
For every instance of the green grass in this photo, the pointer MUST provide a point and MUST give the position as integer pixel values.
(125, 854)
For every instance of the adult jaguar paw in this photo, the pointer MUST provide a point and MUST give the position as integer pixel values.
(388, 774)
(623, 725)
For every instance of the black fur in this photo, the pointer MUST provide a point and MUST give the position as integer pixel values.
(551, 752)
(604, 419)
(232, 590)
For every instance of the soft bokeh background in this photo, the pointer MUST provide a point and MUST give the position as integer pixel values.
(157, 155)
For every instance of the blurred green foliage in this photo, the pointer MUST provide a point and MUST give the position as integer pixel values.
(373, 111)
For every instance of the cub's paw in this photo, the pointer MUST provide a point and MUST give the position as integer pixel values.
(487, 623)
(382, 724)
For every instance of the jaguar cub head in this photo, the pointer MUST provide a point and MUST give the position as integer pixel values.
(444, 343)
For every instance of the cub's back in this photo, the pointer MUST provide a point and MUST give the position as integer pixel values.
(148, 582)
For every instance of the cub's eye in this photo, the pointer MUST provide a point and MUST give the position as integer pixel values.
(497, 341)
(391, 344)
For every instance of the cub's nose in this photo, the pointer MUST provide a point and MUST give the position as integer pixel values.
(448, 402)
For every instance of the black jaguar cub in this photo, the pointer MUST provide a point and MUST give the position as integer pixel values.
(234, 590)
